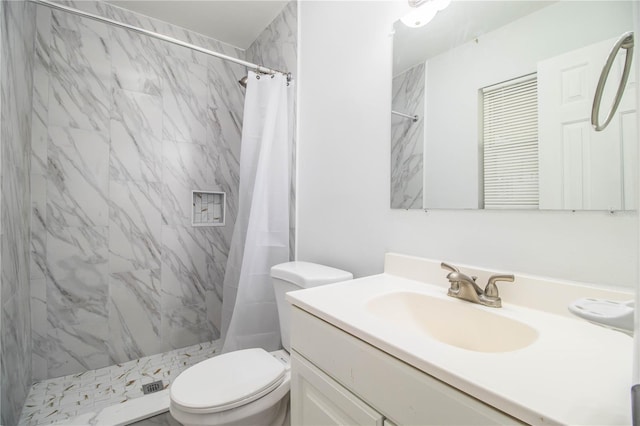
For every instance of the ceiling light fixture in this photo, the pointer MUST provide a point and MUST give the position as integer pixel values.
(425, 11)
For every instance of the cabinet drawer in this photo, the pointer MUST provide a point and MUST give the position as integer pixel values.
(397, 390)
(316, 399)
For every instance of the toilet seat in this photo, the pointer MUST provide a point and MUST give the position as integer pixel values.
(247, 375)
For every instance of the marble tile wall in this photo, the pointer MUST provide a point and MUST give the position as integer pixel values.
(124, 128)
(277, 47)
(16, 86)
(407, 139)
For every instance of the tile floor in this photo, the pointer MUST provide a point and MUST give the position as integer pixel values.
(164, 419)
(63, 398)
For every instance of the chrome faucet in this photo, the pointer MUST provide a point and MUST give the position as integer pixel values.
(464, 287)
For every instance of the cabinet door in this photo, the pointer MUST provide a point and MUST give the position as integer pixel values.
(316, 399)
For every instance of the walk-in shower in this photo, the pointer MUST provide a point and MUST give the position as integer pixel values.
(127, 122)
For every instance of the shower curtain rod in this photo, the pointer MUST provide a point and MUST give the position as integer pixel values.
(414, 118)
(256, 67)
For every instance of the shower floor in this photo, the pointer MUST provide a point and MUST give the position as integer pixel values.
(62, 399)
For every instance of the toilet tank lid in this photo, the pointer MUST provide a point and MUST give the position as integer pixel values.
(307, 274)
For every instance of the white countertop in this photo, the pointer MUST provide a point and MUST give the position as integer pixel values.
(574, 373)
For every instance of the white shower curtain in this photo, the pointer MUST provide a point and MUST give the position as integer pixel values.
(261, 233)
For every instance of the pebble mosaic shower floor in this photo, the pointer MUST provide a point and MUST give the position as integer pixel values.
(64, 398)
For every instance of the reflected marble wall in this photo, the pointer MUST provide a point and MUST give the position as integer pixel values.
(277, 47)
(16, 86)
(407, 139)
(124, 127)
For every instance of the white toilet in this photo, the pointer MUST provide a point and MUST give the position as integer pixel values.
(250, 386)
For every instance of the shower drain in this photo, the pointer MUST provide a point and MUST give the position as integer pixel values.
(152, 387)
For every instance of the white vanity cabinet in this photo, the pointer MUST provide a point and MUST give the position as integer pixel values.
(338, 379)
(317, 399)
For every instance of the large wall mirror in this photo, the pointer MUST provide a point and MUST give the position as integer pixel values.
(491, 108)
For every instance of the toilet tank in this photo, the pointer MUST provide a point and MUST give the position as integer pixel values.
(296, 276)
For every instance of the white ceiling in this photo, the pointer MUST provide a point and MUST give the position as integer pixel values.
(236, 22)
(459, 23)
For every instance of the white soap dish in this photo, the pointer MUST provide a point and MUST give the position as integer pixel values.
(607, 313)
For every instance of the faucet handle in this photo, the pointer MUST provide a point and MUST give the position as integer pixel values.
(491, 290)
(448, 267)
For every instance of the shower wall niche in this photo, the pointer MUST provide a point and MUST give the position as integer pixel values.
(208, 208)
(124, 127)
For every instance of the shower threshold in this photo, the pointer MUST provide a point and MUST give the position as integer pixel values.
(111, 395)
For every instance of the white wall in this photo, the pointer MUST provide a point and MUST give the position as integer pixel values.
(344, 218)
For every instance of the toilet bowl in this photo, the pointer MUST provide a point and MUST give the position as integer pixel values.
(250, 386)
(246, 387)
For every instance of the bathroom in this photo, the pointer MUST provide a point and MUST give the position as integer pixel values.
(340, 56)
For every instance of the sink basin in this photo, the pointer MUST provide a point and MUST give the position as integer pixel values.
(453, 322)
